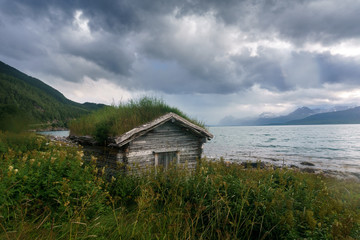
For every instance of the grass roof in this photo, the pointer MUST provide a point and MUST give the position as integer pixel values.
(114, 121)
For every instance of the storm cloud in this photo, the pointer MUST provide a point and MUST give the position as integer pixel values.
(195, 48)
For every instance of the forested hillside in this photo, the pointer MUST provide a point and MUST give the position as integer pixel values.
(24, 99)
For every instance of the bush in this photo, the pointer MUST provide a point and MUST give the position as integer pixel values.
(52, 183)
(21, 142)
(102, 132)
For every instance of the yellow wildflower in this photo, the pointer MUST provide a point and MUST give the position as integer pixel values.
(80, 153)
(93, 159)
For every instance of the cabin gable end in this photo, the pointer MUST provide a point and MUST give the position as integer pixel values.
(168, 139)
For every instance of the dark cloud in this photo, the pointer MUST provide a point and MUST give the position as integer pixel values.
(317, 21)
(23, 10)
(339, 69)
(298, 21)
(183, 46)
(110, 53)
(19, 43)
(172, 78)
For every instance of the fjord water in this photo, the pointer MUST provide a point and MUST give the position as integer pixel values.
(56, 133)
(333, 147)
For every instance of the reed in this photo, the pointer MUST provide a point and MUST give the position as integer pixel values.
(115, 120)
(49, 192)
(225, 201)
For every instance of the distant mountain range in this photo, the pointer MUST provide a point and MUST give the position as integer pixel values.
(301, 116)
(25, 97)
(349, 116)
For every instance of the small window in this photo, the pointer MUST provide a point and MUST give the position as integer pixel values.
(164, 159)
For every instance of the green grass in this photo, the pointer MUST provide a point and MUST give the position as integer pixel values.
(49, 192)
(115, 120)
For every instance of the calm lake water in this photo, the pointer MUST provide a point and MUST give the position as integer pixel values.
(56, 133)
(334, 147)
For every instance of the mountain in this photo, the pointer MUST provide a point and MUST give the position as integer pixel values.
(25, 97)
(268, 118)
(268, 115)
(333, 109)
(297, 114)
(303, 115)
(349, 116)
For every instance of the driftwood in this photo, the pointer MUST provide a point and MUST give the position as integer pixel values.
(89, 140)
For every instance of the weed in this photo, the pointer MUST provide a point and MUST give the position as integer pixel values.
(49, 192)
(116, 120)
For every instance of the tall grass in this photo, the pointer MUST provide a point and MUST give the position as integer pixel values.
(45, 185)
(48, 192)
(116, 120)
(221, 201)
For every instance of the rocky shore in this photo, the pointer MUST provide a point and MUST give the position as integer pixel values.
(304, 166)
(307, 167)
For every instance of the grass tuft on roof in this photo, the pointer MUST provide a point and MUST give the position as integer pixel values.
(114, 121)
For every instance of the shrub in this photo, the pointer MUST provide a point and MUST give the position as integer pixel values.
(102, 132)
(51, 183)
(21, 142)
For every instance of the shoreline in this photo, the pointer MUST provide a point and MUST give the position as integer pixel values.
(307, 167)
(50, 129)
(265, 162)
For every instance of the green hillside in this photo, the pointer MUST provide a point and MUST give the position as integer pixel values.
(27, 99)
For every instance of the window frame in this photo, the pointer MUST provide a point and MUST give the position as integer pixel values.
(156, 155)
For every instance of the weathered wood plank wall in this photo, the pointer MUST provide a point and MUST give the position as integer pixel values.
(106, 157)
(168, 137)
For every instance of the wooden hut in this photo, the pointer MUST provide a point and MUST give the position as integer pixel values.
(157, 143)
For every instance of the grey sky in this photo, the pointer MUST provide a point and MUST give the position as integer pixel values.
(209, 58)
